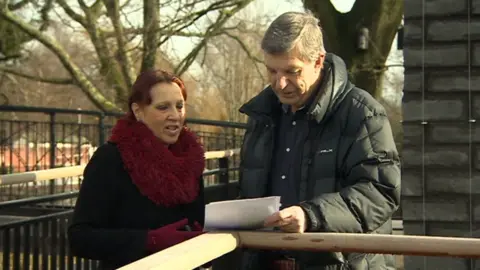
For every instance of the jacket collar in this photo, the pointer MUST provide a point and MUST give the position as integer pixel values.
(332, 88)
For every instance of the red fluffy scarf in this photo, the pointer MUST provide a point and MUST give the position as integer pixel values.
(166, 175)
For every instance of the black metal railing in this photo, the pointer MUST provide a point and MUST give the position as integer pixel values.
(41, 242)
(36, 138)
(44, 204)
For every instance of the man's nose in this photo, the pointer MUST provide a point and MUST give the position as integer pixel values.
(281, 81)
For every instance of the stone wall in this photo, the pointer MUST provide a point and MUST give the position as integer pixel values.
(441, 153)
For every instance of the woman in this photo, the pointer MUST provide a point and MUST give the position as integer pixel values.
(144, 185)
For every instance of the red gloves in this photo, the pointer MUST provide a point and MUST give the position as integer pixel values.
(170, 235)
(197, 227)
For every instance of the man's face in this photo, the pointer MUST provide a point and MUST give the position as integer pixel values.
(293, 79)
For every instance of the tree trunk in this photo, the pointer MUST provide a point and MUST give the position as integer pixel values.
(342, 33)
(150, 33)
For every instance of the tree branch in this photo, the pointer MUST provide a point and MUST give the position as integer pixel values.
(382, 18)
(330, 20)
(212, 30)
(71, 13)
(109, 67)
(18, 5)
(78, 76)
(113, 12)
(244, 47)
(179, 24)
(10, 57)
(61, 81)
(47, 7)
(162, 33)
(150, 33)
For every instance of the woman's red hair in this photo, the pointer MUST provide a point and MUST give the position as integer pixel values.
(141, 89)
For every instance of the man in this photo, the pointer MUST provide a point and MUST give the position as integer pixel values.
(323, 145)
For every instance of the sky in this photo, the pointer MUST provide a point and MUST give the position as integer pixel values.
(180, 47)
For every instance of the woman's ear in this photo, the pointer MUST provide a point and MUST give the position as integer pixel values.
(136, 111)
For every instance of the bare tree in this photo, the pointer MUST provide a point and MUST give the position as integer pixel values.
(42, 63)
(393, 81)
(117, 42)
(362, 37)
(11, 39)
(233, 65)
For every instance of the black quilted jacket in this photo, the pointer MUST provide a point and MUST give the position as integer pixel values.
(350, 168)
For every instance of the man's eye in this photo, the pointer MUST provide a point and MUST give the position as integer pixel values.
(294, 72)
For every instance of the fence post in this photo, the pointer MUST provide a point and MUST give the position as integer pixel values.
(224, 179)
(53, 148)
(101, 129)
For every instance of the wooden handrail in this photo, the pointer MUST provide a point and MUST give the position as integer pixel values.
(189, 254)
(72, 171)
(222, 153)
(41, 175)
(204, 248)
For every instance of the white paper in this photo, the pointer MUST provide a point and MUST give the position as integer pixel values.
(247, 214)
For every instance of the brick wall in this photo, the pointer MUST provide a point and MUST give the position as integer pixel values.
(438, 159)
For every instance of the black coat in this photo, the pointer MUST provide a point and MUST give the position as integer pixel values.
(350, 168)
(112, 217)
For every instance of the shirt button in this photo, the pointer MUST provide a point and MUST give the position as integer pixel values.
(288, 149)
(294, 123)
(283, 176)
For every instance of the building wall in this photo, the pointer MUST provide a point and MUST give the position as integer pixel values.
(441, 109)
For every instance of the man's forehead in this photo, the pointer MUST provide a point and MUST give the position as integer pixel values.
(283, 62)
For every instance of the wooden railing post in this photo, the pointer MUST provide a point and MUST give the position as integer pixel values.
(101, 129)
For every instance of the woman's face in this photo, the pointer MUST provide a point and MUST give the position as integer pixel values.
(165, 115)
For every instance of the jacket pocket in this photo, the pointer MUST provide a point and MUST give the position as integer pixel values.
(323, 173)
(368, 261)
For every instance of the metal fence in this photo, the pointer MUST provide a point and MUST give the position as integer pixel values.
(41, 242)
(34, 138)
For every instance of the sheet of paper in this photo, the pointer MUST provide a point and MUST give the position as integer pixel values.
(247, 214)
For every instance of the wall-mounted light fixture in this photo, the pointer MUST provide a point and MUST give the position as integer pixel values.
(363, 38)
(400, 36)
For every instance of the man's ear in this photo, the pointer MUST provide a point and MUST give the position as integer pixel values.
(320, 60)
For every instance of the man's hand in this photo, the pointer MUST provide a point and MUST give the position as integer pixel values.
(290, 219)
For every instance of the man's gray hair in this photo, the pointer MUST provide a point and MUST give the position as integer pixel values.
(294, 30)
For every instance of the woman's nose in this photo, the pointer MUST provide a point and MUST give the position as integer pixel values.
(174, 114)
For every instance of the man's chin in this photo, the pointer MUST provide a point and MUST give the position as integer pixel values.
(289, 101)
